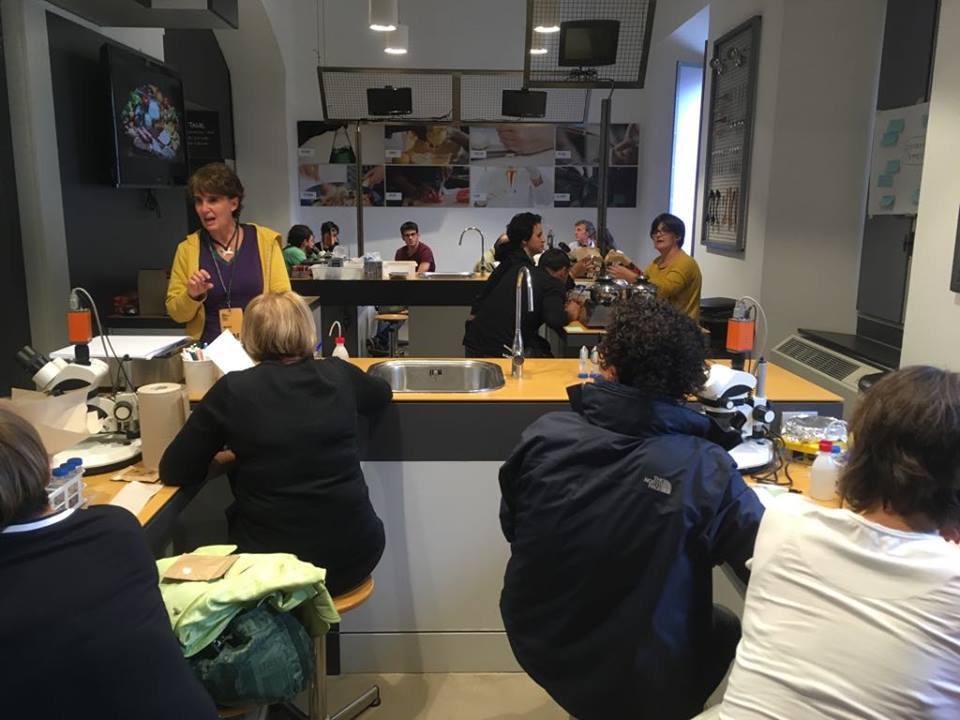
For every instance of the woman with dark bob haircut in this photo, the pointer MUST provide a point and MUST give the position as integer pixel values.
(83, 629)
(855, 612)
(225, 264)
(616, 514)
(675, 274)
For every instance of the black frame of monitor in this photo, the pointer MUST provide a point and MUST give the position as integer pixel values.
(602, 30)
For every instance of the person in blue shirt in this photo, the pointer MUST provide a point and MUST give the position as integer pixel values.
(616, 514)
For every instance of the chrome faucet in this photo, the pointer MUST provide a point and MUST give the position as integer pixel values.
(516, 352)
(482, 250)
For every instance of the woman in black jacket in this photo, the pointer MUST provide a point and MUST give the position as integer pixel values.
(83, 629)
(291, 422)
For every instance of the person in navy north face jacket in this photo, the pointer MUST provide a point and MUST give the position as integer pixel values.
(616, 514)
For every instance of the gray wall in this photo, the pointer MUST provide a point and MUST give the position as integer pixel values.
(15, 328)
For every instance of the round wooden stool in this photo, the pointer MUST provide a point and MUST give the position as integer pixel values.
(395, 319)
(318, 688)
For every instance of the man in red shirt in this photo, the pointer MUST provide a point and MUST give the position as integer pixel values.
(413, 249)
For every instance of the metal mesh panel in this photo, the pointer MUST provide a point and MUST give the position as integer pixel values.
(344, 92)
(636, 23)
(734, 68)
(481, 97)
(813, 357)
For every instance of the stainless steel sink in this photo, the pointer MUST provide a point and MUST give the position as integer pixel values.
(439, 376)
(446, 275)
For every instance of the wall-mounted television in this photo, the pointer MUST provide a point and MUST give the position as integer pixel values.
(147, 111)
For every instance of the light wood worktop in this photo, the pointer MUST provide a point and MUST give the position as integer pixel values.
(101, 489)
(546, 380)
(800, 477)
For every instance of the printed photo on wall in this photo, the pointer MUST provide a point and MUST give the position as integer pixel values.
(512, 144)
(580, 144)
(323, 143)
(511, 186)
(427, 186)
(335, 185)
(579, 186)
(426, 144)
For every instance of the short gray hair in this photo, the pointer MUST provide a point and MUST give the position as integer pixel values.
(591, 229)
(24, 469)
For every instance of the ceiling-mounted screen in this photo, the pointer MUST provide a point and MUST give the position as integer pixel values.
(524, 103)
(390, 101)
(588, 43)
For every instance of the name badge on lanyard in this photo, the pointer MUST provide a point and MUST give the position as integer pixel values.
(231, 319)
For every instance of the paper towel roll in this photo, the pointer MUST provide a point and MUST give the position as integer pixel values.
(163, 411)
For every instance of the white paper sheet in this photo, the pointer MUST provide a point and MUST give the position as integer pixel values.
(228, 354)
(138, 347)
(62, 421)
(134, 495)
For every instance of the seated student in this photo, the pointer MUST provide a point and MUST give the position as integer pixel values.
(616, 515)
(291, 422)
(83, 629)
(855, 613)
(493, 316)
(414, 249)
(300, 246)
(329, 236)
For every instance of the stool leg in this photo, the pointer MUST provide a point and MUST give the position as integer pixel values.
(394, 340)
(370, 698)
(318, 688)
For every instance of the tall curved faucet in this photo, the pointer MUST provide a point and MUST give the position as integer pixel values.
(516, 352)
(480, 233)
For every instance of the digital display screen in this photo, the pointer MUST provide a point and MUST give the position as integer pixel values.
(148, 121)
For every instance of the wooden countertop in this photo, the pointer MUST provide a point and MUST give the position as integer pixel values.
(800, 475)
(578, 328)
(101, 490)
(546, 380)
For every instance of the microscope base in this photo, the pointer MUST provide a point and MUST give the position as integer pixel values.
(752, 455)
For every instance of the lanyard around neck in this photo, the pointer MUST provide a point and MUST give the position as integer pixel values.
(227, 289)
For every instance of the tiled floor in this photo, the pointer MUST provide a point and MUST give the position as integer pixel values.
(454, 696)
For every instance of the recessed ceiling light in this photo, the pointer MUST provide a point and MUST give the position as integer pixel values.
(538, 51)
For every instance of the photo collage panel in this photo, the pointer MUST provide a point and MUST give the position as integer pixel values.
(504, 165)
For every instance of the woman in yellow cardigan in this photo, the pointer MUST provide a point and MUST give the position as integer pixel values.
(219, 269)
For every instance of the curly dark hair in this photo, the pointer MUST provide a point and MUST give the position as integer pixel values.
(216, 178)
(655, 348)
(905, 451)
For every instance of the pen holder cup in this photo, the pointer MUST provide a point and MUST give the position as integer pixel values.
(199, 376)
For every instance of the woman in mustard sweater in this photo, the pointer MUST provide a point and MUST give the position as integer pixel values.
(219, 269)
(675, 274)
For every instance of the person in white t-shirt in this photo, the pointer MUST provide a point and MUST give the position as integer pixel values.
(854, 614)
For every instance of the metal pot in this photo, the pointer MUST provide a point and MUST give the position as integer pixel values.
(640, 288)
(605, 291)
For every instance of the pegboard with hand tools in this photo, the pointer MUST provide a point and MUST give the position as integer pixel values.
(733, 70)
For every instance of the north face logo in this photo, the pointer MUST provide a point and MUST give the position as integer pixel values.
(659, 484)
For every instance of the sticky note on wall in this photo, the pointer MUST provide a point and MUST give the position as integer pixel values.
(893, 166)
(890, 139)
(888, 201)
(885, 181)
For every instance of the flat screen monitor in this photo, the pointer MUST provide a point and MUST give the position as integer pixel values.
(588, 43)
(147, 111)
(389, 101)
(524, 103)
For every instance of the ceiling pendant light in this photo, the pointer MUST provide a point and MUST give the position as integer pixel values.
(396, 41)
(547, 17)
(383, 15)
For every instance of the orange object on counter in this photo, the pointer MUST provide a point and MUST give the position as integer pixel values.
(79, 326)
(740, 334)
